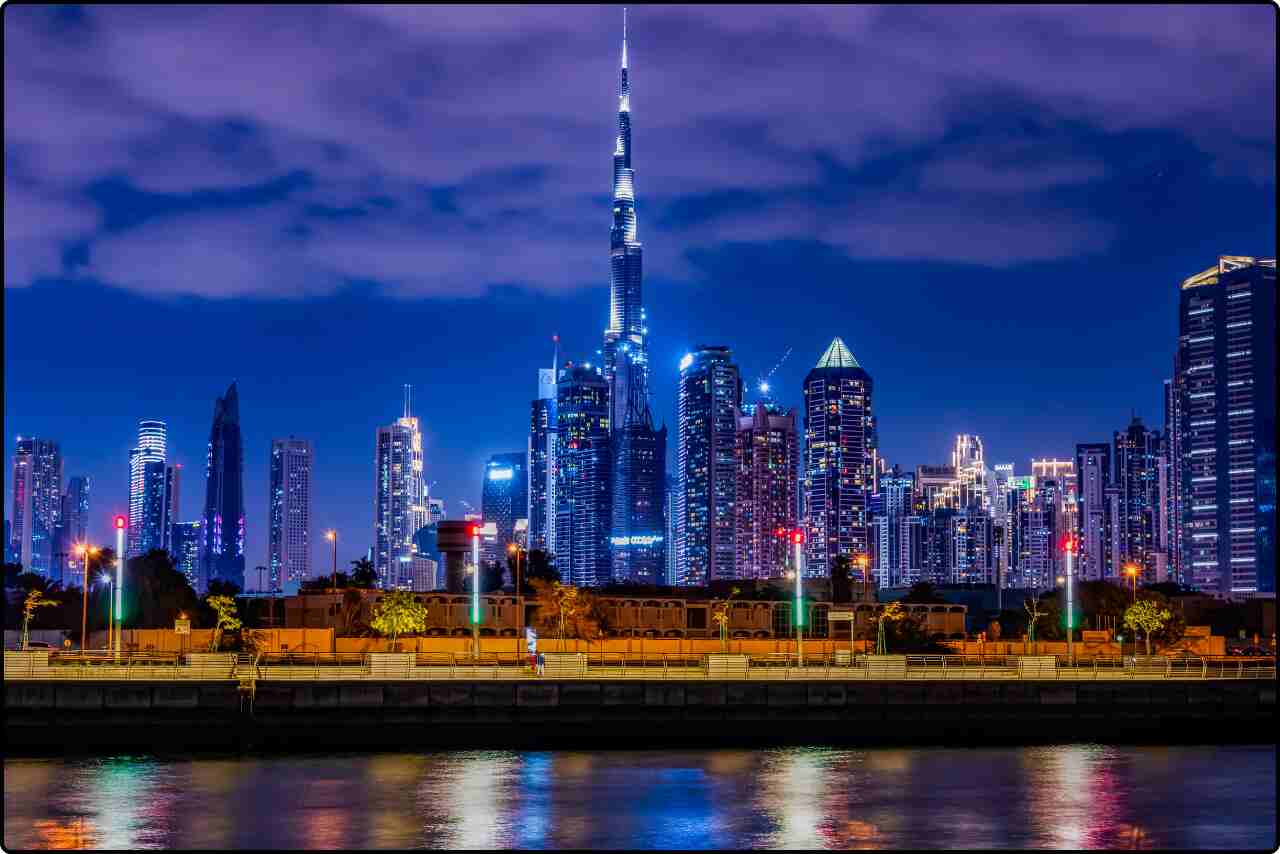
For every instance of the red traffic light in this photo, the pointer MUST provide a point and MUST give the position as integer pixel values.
(121, 523)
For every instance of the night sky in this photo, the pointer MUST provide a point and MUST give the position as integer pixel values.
(993, 207)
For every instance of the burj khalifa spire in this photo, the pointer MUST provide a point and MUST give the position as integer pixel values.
(637, 530)
(626, 356)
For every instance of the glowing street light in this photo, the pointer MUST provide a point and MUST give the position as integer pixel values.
(121, 523)
(332, 536)
(1131, 570)
(85, 551)
(474, 530)
(105, 578)
(863, 560)
(1069, 546)
(516, 550)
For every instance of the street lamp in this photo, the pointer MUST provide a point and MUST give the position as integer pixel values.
(121, 522)
(1131, 570)
(863, 560)
(797, 540)
(1069, 546)
(85, 551)
(516, 550)
(105, 578)
(474, 530)
(333, 537)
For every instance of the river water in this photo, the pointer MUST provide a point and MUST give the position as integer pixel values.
(1070, 796)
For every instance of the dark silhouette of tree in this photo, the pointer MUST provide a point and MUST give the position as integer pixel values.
(11, 573)
(321, 583)
(155, 592)
(923, 593)
(363, 574)
(841, 581)
(223, 587)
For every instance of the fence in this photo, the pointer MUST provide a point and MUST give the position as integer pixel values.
(43, 665)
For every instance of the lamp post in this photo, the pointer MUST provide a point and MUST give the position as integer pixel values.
(863, 560)
(515, 549)
(332, 536)
(85, 551)
(118, 617)
(797, 540)
(1131, 570)
(106, 579)
(475, 592)
(1070, 547)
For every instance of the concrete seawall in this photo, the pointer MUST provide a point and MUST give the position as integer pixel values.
(43, 717)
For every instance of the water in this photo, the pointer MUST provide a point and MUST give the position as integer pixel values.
(1073, 796)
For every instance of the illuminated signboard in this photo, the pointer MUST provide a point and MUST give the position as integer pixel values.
(637, 540)
(501, 474)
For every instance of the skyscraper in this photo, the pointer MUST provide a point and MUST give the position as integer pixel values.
(1225, 388)
(1093, 519)
(504, 498)
(584, 476)
(222, 526)
(889, 527)
(638, 539)
(74, 525)
(541, 462)
(400, 498)
(289, 509)
(172, 504)
(839, 433)
(626, 332)
(768, 461)
(185, 550)
(147, 480)
(1136, 454)
(708, 400)
(37, 504)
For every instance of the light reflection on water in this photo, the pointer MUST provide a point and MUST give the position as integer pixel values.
(1074, 796)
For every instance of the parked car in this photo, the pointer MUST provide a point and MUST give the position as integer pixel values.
(39, 645)
(1249, 651)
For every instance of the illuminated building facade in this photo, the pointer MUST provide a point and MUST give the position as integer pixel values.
(638, 539)
(400, 498)
(185, 550)
(148, 511)
(73, 526)
(37, 504)
(583, 482)
(626, 360)
(1093, 517)
(222, 526)
(540, 463)
(892, 525)
(1225, 397)
(708, 399)
(937, 488)
(768, 458)
(289, 509)
(172, 504)
(1136, 455)
(839, 435)
(504, 498)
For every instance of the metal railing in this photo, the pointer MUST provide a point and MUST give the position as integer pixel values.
(630, 666)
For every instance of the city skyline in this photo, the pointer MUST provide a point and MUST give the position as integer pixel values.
(1000, 390)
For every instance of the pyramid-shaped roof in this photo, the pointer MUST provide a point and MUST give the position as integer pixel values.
(837, 356)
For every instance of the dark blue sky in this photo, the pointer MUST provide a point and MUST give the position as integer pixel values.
(993, 207)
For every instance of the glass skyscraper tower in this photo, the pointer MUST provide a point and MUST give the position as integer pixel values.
(222, 526)
(289, 509)
(148, 510)
(400, 499)
(37, 504)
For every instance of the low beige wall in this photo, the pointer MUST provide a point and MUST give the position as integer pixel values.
(630, 646)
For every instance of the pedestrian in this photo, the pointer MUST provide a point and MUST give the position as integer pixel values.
(542, 664)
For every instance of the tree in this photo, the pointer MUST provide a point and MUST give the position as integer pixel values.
(841, 583)
(363, 574)
(352, 599)
(922, 593)
(720, 615)
(1149, 616)
(223, 587)
(35, 599)
(537, 565)
(324, 582)
(1034, 613)
(491, 577)
(891, 612)
(572, 611)
(224, 609)
(398, 613)
(155, 592)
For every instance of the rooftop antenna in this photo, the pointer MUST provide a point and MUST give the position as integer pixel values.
(408, 399)
(555, 357)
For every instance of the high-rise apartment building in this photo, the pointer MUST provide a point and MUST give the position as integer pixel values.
(541, 462)
(289, 509)
(37, 504)
(147, 480)
(1226, 427)
(839, 435)
(73, 524)
(185, 550)
(768, 458)
(708, 399)
(1093, 518)
(172, 504)
(1136, 455)
(890, 530)
(584, 476)
(504, 498)
(400, 498)
(222, 526)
